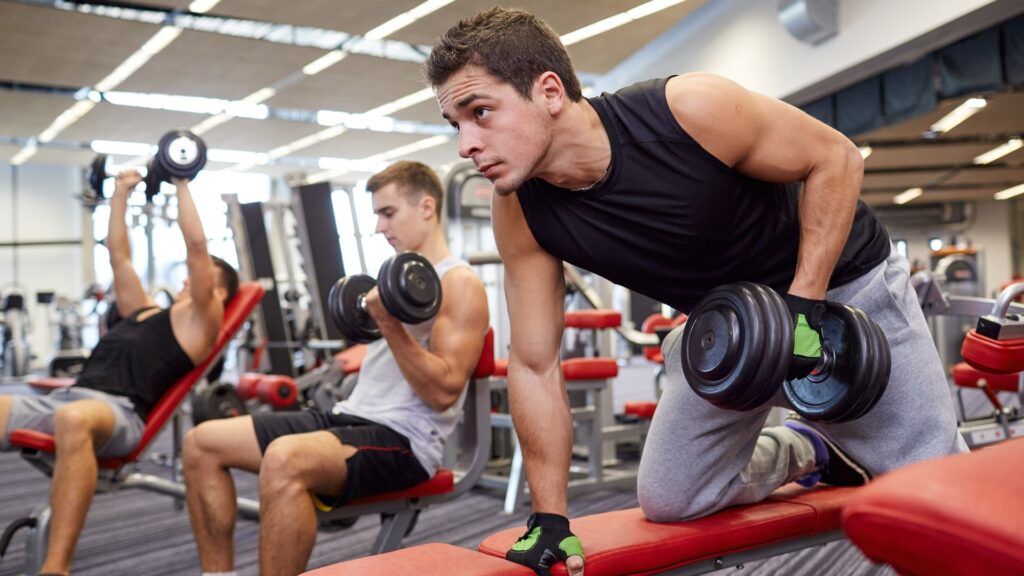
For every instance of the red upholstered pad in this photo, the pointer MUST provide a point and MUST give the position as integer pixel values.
(501, 367)
(956, 515)
(351, 359)
(652, 323)
(32, 440)
(425, 560)
(47, 384)
(625, 542)
(485, 365)
(988, 355)
(589, 368)
(593, 319)
(966, 375)
(442, 483)
(644, 410)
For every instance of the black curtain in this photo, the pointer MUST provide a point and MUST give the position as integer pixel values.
(971, 65)
(909, 90)
(859, 107)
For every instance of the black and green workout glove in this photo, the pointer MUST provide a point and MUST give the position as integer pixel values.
(807, 316)
(546, 542)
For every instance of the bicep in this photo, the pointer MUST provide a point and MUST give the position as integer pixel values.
(757, 135)
(534, 287)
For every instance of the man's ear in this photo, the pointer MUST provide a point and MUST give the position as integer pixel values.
(550, 89)
(427, 206)
(220, 293)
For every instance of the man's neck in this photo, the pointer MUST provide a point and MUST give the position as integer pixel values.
(434, 248)
(580, 152)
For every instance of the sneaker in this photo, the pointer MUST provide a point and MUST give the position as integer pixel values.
(832, 466)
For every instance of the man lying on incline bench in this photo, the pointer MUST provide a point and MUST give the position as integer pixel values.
(104, 412)
(387, 436)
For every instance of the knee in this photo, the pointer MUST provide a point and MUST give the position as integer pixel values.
(281, 466)
(71, 425)
(192, 449)
(670, 502)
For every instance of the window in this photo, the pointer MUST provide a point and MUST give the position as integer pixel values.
(901, 247)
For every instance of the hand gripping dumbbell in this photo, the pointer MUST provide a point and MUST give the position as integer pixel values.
(738, 344)
(180, 154)
(409, 289)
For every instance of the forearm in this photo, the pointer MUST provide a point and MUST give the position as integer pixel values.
(118, 246)
(827, 207)
(430, 377)
(190, 224)
(540, 413)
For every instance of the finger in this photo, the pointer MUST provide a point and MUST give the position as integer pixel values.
(574, 565)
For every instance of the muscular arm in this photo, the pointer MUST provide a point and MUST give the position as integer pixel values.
(128, 290)
(535, 293)
(439, 375)
(207, 308)
(770, 140)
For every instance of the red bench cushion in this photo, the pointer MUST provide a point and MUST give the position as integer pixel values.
(593, 319)
(968, 376)
(644, 410)
(1002, 356)
(427, 559)
(589, 368)
(350, 359)
(442, 483)
(956, 515)
(47, 384)
(625, 542)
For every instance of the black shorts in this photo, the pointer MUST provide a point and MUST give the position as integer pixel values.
(384, 462)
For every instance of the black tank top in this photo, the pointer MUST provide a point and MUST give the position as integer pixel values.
(138, 360)
(671, 221)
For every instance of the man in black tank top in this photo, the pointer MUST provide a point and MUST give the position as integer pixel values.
(103, 413)
(671, 187)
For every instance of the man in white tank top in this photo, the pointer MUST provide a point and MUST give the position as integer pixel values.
(387, 436)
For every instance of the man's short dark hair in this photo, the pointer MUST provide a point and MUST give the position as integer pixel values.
(513, 45)
(412, 179)
(228, 276)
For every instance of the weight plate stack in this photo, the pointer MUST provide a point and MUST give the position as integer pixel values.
(181, 154)
(343, 303)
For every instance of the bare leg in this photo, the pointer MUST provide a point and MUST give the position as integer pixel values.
(5, 412)
(294, 466)
(209, 451)
(79, 428)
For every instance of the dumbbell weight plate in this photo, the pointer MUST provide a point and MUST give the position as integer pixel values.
(343, 303)
(153, 180)
(733, 347)
(875, 382)
(216, 401)
(831, 394)
(409, 288)
(181, 154)
(97, 174)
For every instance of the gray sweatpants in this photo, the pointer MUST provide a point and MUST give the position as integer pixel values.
(699, 459)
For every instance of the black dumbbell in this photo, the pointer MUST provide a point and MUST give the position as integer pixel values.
(409, 289)
(738, 344)
(180, 154)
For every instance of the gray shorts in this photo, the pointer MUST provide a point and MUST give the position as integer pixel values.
(37, 412)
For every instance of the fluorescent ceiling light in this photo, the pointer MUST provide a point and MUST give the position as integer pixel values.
(151, 48)
(233, 156)
(998, 152)
(405, 18)
(958, 115)
(120, 148)
(1009, 192)
(865, 151)
(66, 118)
(402, 103)
(616, 20)
(261, 95)
(324, 62)
(24, 154)
(202, 6)
(210, 123)
(907, 196)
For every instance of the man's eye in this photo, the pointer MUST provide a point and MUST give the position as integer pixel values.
(482, 112)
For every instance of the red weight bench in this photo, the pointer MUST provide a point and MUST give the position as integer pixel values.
(955, 515)
(625, 542)
(115, 473)
(398, 509)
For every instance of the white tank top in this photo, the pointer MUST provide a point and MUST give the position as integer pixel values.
(383, 395)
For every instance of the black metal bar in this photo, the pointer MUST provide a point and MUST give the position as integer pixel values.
(40, 243)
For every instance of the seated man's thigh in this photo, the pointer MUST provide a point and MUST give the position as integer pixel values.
(230, 441)
(315, 459)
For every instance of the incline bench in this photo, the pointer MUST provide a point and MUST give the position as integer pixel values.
(115, 473)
